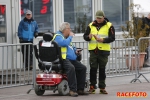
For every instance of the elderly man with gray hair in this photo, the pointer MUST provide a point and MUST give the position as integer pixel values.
(71, 66)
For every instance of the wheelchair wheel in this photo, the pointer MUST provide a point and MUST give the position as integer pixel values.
(63, 88)
(38, 91)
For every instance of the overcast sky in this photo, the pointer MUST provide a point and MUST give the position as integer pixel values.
(145, 4)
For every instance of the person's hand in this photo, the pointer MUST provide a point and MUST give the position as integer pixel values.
(90, 36)
(71, 34)
(95, 36)
(20, 40)
(98, 39)
(36, 35)
(78, 51)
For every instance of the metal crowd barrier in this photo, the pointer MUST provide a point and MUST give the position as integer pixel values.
(123, 60)
(120, 55)
(12, 68)
(143, 59)
(120, 63)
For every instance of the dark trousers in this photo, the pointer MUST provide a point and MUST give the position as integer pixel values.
(76, 74)
(98, 60)
(27, 51)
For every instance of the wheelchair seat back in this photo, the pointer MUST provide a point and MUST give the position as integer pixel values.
(49, 54)
(47, 51)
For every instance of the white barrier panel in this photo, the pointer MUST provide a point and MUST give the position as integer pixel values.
(12, 68)
(123, 60)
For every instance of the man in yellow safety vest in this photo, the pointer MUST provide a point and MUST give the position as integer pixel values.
(99, 34)
(70, 63)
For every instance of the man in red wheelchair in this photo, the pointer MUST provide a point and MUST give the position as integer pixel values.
(75, 70)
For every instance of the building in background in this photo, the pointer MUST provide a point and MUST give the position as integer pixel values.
(2, 23)
(42, 12)
(117, 12)
(77, 12)
(50, 13)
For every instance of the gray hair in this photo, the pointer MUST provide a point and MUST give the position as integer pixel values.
(63, 26)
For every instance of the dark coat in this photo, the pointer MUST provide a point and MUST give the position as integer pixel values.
(146, 21)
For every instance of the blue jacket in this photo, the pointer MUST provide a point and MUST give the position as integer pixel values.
(71, 55)
(26, 30)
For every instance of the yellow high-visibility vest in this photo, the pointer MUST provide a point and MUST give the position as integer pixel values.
(63, 49)
(103, 32)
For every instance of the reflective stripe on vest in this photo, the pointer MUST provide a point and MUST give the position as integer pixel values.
(103, 32)
(63, 49)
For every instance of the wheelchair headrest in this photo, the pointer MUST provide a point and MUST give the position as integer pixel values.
(48, 36)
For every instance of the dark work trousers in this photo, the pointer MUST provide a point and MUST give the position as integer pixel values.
(98, 60)
(76, 82)
(27, 51)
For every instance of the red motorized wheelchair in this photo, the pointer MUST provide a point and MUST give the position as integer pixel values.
(49, 59)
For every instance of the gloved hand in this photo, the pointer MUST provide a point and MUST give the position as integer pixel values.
(35, 35)
(20, 40)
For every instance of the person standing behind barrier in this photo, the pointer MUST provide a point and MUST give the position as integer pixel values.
(27, 30)
(70, 63)
(146, 23)
(99, 33)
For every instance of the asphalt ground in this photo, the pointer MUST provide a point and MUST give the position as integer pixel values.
(118, 88)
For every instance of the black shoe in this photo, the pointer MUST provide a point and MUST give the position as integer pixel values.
(103, 91)
(73, 94)
(81, 92)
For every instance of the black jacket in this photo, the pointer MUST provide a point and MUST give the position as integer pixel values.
(109, 39)
(146, 21)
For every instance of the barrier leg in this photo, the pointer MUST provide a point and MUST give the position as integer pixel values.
(143, 77)
(139, 77)
(136, 76)
(33, 73)
(135, 79)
